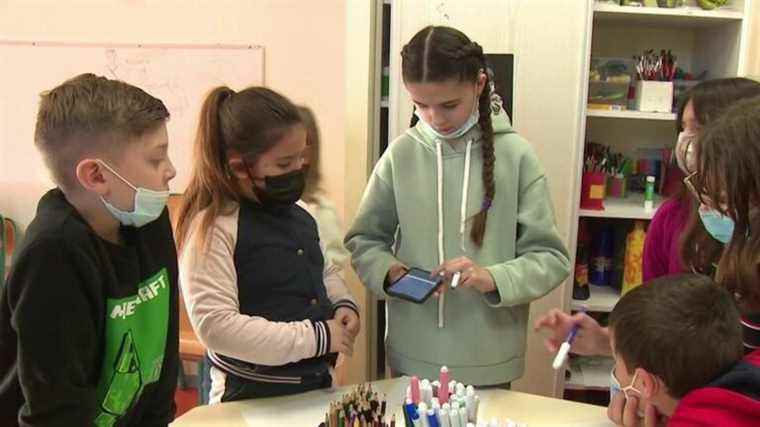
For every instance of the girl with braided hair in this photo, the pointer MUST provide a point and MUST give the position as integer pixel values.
(458, 192)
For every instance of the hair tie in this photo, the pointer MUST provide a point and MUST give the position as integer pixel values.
(486, 204)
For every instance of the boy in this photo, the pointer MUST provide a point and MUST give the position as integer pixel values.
(677, 344)
(89, 316)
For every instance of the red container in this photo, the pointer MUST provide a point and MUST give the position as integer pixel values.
(593, 190)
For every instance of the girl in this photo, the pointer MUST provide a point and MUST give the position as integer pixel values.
(259, 295)
(498, 231)
(320, 207)
(727, 185)
(671, 223)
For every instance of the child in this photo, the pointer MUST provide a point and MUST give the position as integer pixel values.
(727, 187)
(318, 205)
(425, 187)
(677, 217)
(89, 316)
(258, 292)
(677, 346)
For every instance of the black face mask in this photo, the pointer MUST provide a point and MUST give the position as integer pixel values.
(281, 190)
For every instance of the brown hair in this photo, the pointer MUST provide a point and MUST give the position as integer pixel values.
(437, 54)
(684, 329)
(698, 250)
(91, 115)
(313, 145)
(250, 122)
(728, 156)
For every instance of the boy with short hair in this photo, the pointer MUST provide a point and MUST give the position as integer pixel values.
(89, 315)
(677, 344)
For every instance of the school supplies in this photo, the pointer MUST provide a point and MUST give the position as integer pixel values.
(634, 250)
(443, 403)
(656, 67)
(362, 407)
(649, 194)
(564, 349)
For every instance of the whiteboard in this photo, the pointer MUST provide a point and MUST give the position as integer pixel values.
(179, 75)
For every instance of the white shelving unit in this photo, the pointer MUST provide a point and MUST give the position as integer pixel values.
(631, 207)
(688, 16)
(713, 41)
(590, 373)
(602, 300)
(630, 114)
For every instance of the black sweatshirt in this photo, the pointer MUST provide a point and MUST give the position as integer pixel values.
(89, 329)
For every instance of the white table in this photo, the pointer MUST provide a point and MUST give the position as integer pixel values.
(308, 409)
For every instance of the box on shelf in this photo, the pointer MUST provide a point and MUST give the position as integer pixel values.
(654, 96)
(609, 82)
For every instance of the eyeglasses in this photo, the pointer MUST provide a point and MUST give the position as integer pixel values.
(688, 182)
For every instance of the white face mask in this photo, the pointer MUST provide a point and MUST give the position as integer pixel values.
(457, 133)
(149, 204)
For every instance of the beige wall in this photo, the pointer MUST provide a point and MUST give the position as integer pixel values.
(304, 45)
(753, 59)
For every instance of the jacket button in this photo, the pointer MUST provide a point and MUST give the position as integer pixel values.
(313, 301)
(299, 252)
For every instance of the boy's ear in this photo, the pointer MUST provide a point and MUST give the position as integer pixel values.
(651, 384)
(89, 174)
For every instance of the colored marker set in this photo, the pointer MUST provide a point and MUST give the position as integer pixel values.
(440, 403)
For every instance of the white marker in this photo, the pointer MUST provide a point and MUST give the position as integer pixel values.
(455, 279)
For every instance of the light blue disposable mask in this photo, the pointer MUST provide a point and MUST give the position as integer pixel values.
(457, 133)
(719, 226)
(149, 204)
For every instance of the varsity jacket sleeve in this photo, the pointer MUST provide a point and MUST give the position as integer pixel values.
(209, 286)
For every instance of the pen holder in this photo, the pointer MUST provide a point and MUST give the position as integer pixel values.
(654, 96)
(593, 188)
(616, 186)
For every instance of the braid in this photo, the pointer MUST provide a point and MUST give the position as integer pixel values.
(489, 159)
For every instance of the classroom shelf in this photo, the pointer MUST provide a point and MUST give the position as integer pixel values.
(630, 114)
(631, 207)
(602, 300)
(589, 373)
(689, 16)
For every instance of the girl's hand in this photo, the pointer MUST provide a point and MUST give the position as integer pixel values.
(591, 339)
(471, 275)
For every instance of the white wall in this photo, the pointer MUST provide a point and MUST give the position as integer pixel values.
(548, 38)
(304, 43)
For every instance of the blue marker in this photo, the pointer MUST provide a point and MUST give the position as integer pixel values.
(564, 349)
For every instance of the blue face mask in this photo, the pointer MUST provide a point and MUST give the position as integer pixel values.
(457, 133)
(149, 204)
(719, 226)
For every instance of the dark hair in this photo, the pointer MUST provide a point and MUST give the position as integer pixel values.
(249, 122)
(684, 329)
(89, 114)
(728, 165)
(438, 54)
(698, 250)
(313, 144)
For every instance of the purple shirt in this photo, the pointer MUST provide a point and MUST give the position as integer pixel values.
(661, 247)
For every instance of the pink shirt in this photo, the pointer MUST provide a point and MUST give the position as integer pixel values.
(661, 247)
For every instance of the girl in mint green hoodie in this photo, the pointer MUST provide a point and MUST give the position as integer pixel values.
(423, 207)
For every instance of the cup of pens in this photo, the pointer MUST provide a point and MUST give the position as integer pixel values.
(616, 185)
(654, 89)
